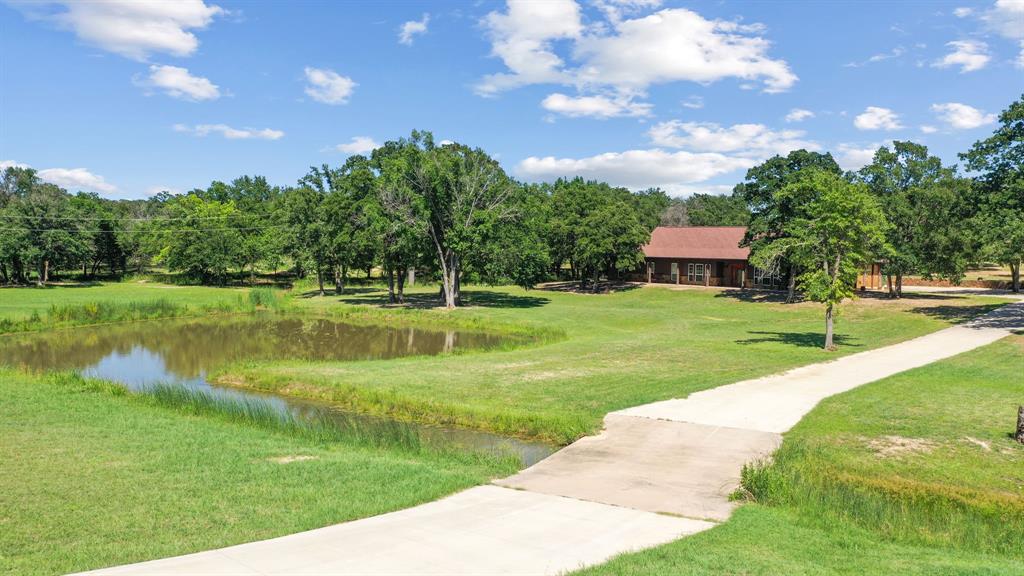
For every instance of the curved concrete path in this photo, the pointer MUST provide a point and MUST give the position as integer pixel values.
(656, 473)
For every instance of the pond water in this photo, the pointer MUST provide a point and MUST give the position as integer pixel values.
(141, 355)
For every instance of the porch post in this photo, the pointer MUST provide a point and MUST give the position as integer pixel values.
(648, 262)
(679, 271)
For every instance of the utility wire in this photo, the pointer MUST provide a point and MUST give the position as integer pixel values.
(140, 229)
(118, 218)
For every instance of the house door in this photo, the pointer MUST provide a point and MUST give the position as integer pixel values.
(675, 272)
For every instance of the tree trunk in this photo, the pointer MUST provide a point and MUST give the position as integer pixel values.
(1019, 436)
(320, 278)
(888, 281)
(402, 273)
(457, 281)
(339, 285)
(412, 276)
(791, 288)
(389, 272)
(899, 284)
(1015, 276)
(828, 328)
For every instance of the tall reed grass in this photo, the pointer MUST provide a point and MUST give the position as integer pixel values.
(318, 427)
(903, 509)
(110, 311)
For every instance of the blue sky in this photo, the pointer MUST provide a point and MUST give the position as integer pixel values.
(130, 98)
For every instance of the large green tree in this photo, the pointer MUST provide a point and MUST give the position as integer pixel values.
(198, 238)
(923, 204)
(771, 213)
(835, 229)
(998, 162)
(580, 215)
(707, 210)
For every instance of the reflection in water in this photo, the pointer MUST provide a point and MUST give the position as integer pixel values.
(182, 352)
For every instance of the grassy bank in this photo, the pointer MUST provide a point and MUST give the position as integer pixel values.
(94, 478)
(106, 309)
(20, 303)
(914, 474)
(618, 350)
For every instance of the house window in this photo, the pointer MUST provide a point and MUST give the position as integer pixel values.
(675, 272)
(690, 277)
(766, 277)
(699, 270)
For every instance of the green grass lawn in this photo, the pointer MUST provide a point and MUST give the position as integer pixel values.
(18, 303)
(90, 479)
(619, 350)
(914, 474)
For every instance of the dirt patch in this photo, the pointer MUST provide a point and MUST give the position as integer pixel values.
(896, 446)
(987, 447)
(290, 458)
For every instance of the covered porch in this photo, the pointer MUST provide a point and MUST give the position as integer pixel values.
(700, 272)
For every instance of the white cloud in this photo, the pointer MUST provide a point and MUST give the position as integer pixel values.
(75, 179)
(969, 55)
(747, 140)
(72, 179)
(522, 37)
(799, 115)
(963, 12)
(328, 86)
(614, 10)
(358, 145)
(132, 28)
(961, 116)
(1006, 18)
(624, 55)
(854, 156)
(876, 118)
(894, 53)
(411, 28)
(229, 132)
(154, 190)
(1020, 57)
(928, 129)
(177, 82)
(693, 102)
(636, 169)
(594, 106)
(675, 45)
(5, 164)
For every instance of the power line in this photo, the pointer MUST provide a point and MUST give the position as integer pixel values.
(141, 230)
(95, 219)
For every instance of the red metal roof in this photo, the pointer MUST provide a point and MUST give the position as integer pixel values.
(700, 242)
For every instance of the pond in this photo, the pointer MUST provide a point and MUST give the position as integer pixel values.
(182, 352)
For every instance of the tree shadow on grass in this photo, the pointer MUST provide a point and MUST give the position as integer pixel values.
(470, 298)
(602, 287)
(349, 291)
(961, 314)
(800, 339)
(752, 295)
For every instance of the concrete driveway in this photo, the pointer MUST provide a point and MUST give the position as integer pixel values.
(602, 495)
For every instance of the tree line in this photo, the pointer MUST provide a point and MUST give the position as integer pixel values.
(451, 213)
(411, 206)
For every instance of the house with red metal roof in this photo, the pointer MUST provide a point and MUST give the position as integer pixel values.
(713, 256)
